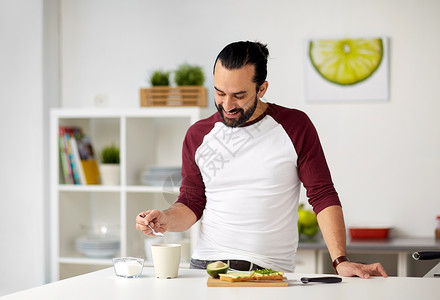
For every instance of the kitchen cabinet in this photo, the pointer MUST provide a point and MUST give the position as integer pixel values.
(393, 253)
(306, 261)
(147, 137)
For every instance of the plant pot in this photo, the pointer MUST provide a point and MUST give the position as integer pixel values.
(110, 174)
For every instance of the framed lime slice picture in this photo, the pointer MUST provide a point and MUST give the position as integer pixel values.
(347, 69)
(347, 61)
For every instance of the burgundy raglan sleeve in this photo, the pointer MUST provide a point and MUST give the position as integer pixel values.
(192, 189)
(312, 166)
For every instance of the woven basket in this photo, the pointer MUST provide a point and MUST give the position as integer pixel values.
(174, 96)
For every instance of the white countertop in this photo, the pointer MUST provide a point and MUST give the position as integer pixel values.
(191, 284)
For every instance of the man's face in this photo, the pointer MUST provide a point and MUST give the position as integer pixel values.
(235, 94)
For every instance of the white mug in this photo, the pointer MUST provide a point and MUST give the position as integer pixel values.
(166, 260)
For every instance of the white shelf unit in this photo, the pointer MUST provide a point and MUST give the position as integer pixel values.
(147, 137)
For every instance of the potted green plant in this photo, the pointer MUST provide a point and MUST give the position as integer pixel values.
(160, 78)
(189, 91)
(187, 75)
(109, 167)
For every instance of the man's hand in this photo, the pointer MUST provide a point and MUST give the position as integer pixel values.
(155, 218)
(350, 269)
(176, 218)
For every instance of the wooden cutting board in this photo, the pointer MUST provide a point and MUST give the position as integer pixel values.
(221, 283)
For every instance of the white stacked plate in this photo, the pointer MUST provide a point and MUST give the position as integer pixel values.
(97, 247)
(160, 176)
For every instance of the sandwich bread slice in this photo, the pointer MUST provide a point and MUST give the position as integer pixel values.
(235, 276)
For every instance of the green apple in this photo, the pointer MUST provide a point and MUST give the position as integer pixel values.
(311, 231)
(307, 218)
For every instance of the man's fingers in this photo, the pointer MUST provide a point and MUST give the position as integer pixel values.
(361, 271)
(140, 218)
(144, 229)
(141, 223)
(379, 270)
(146, 217)
(151, 218)
(375, 269)
(364, 274)
(150, 215)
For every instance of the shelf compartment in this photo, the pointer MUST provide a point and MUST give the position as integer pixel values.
(153, 142)
(81, 212)
(101, 132)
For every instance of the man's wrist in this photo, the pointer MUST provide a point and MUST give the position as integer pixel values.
(339, 260)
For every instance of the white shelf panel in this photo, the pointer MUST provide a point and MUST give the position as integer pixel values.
(107, 188)
(104, 262)
(85, 261)
(148, 189)
(152, 112)
(88, 188)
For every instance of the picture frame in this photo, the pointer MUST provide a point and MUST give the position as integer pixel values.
(375, 85)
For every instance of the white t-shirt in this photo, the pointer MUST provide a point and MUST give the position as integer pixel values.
(244, 184)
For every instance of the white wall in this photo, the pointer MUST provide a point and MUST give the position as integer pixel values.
(23, 208)
(384, 156)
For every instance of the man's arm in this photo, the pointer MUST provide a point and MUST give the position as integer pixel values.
(331, 223)
(180, 217)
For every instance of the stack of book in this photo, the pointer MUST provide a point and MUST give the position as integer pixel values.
(78, 163)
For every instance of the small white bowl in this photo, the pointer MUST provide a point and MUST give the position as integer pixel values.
(128, 267)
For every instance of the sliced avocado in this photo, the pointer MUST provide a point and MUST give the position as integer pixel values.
(216, 268)
(266, 271)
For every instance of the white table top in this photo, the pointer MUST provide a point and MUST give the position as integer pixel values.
(191, 284)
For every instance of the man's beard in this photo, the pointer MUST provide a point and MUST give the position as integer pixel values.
(244, 115)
